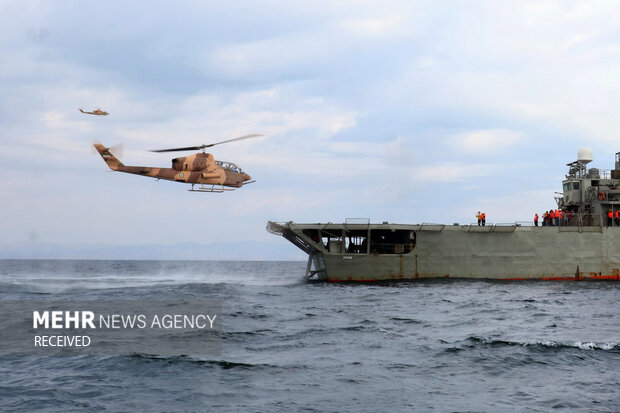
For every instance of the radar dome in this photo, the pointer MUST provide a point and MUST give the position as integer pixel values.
(584, 155)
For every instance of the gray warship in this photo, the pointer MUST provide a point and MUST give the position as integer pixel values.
(583, 245)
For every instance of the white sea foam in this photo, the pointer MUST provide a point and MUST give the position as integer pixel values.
(595, 346)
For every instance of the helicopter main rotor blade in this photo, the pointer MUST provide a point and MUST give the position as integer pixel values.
(254, 135)
(187, 148)
(197, 148)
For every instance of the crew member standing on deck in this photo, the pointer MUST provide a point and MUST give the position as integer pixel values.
(556, 216)
(610, 216)
(479, 216)
(618, 217)
(483, 218)
(536, 219)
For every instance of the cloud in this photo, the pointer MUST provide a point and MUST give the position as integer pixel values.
(388, 25)
(58, 121)
(489, 140)
(452, 172)
(367, 109)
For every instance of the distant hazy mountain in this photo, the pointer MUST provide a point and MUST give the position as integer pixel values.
(245, 250)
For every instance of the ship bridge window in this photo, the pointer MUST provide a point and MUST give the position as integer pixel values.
(575, 186)
(567, 187)
(356, 241)
(386, 241)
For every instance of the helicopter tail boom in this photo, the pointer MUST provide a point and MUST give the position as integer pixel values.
(109, 157)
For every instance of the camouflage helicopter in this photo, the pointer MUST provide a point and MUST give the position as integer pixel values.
(200, 168)
(97, 111)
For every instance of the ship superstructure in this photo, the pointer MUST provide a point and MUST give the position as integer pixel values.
(585, 244)
(590, 194)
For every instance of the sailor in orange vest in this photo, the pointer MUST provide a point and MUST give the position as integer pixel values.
(556, 216)
(618, 217)
(483, 217)
(536, 219)
(610, 216)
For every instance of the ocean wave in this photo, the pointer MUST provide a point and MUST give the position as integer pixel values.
(262, 332)
(401, 320)
(546, 344)
(221, 364)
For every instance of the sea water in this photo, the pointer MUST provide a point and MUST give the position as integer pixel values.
(289, 345)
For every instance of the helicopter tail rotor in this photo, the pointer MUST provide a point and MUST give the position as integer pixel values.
(118, 150)
(108, 157)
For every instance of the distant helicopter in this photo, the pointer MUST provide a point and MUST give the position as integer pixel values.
(97, 111)
(200, 168)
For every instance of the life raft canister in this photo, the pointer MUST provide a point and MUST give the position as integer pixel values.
(601, 196)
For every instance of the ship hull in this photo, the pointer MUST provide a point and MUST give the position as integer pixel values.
(436, 251)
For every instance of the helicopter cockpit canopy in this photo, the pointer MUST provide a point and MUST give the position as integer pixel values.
(229, 166)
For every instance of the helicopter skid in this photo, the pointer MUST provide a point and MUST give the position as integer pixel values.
(212, 188)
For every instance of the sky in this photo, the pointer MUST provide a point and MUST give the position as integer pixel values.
(400, 111)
